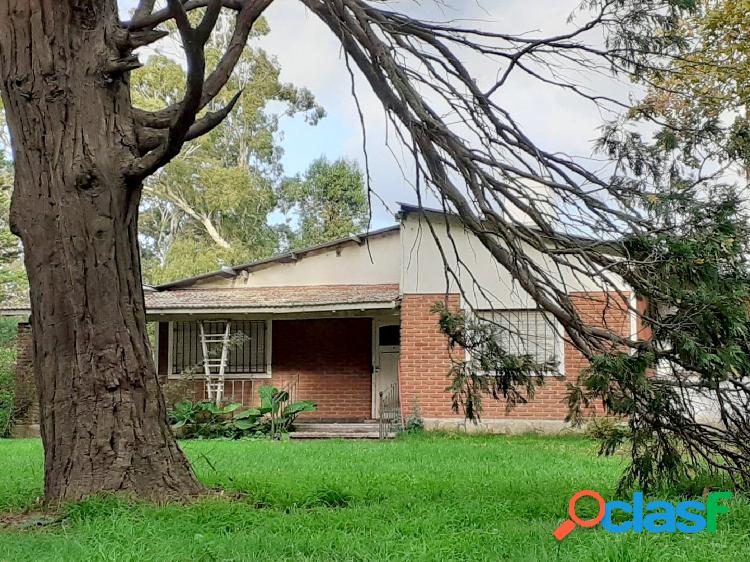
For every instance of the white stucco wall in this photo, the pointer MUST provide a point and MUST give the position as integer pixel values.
(411, 258)
(485, 282)
(374, 263)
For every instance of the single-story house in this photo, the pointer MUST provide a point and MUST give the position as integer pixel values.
(345, 321)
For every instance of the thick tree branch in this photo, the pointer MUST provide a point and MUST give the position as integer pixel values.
(152, 19)
(135, 39)
(182, 125)
(145, 7)
(150, 139)
(249, 13)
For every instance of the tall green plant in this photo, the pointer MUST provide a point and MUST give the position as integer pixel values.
(8, 329)
(684, 393)
(204, 419)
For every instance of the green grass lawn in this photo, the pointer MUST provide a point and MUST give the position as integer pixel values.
(418, 498)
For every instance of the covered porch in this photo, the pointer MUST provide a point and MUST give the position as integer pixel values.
(337, 346)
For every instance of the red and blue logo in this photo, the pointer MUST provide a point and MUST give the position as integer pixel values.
(653, 517)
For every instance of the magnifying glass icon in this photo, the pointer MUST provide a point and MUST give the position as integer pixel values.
(568, 525)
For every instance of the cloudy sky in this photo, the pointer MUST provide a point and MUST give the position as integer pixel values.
(310, 56)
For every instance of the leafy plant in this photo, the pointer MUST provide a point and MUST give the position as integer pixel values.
(7, 375)
(280, 417)
(415, 421)
(206, 420)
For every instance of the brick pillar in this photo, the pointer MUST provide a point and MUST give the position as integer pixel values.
(26, 400)
(425, 360)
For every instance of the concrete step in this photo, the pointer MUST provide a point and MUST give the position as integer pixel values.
(337, 435)
(306, 427)
(337, 430)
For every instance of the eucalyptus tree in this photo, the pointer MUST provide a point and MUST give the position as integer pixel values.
(209, 206)
(329, 201)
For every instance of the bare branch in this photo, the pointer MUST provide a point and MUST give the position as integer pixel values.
(145, 8)
(193, 41)
(150, 20)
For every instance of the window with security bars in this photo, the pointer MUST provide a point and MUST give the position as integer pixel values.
(526, 332)
(247, 347)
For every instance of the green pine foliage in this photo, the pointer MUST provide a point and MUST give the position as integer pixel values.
(694, 274)
(327, 202)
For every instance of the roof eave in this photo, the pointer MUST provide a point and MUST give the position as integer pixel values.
(15, 312)
(280, 309)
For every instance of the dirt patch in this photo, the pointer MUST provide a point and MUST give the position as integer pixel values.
(36, 519)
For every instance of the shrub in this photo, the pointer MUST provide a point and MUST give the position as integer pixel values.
(7, 374)
(415, 421)
(206, 420)
(609, 431)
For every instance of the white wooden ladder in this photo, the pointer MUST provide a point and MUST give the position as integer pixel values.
(215, 353)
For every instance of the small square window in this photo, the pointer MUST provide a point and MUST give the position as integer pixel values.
(389, 335)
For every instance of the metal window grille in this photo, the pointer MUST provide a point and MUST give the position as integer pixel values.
(526, 332)
(247, 350)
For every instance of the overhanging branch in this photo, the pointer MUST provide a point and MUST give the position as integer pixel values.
(162, 134)
(248, 13)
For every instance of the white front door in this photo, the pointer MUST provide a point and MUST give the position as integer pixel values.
(385, 374)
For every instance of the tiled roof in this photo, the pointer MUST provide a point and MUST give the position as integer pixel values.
(259, 298)
(271, 297)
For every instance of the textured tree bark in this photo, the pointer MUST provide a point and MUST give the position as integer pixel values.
(103, 418)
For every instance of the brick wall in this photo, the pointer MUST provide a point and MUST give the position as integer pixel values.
(331, 359)
(426, 360)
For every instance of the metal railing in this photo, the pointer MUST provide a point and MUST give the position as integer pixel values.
(292, 389)
(389, 411)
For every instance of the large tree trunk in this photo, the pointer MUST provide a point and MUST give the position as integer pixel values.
(103, 418)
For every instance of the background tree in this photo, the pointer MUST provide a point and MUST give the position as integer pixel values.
(327, 202)
(12, 276)
(209, 206)
(702, 97)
